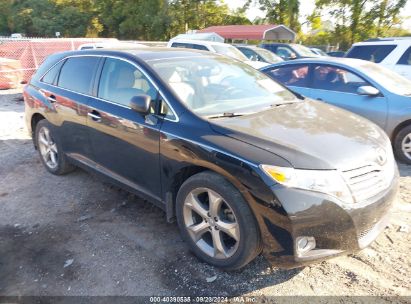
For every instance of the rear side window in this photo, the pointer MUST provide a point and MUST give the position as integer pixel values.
(189, 46)
(199, 47)
(270, 47)
(52, 74)
(373, 53)
(291, 75)
(179, 45)
(77, 74)
(406, 58)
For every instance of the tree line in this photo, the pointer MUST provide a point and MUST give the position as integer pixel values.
(353, 20)
(124, 19)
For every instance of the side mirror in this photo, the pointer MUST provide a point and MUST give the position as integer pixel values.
(141, 104)
(368, 91)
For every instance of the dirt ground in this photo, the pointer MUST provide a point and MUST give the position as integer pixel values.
(76, 235)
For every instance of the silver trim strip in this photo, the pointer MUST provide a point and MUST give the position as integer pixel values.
(111, 102)
(94, 116)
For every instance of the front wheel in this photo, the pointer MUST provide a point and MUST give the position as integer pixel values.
(402, 145)
(216, 221)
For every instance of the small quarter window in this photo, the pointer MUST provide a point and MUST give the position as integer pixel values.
(406, 58)
(52, 74)
(165, 111)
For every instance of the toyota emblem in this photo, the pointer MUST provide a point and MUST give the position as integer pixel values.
(381, 156)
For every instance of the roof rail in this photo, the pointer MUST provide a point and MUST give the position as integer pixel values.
(388, 39)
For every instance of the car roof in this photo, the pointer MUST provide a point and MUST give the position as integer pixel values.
(325, 60)
(379, 41)
(277, 43)
(201, 42)
(145, 54)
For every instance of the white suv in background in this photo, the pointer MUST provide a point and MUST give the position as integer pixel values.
(393, 53)
(215, 47)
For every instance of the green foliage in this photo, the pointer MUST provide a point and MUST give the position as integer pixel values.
(5, 12)
(357, 20)
(124, 19)
(198, 14)
(280, 12)
(46, 17)
(352, 20)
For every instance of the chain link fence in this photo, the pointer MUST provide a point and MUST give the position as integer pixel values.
(20, 58)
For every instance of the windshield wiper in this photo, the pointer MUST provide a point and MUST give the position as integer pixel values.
(298, 95)
(228, 114)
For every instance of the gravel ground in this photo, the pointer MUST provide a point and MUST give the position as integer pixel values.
(76, 235)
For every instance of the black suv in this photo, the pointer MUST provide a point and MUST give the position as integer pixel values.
(243, 164)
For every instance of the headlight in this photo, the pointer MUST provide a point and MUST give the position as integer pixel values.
(324, 181)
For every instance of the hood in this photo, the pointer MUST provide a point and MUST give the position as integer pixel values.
(309, 134)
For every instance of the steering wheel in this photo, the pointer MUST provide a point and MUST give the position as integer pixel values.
(227, 78)
(231, 92)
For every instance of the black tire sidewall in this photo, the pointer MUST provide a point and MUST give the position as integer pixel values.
(398, 145)
(249, 235)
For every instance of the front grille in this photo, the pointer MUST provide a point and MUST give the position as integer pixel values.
(364, 232)
(368, 181)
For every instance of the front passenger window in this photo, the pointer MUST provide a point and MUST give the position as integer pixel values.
(120, 81)
(332, 78)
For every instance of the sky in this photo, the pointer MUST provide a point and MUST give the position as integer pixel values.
(307, 6)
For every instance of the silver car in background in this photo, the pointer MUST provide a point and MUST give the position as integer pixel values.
(359, 86)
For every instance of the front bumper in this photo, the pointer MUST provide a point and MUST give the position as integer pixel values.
(336, 227)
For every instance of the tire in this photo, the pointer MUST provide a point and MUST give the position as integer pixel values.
(50, 150)
(402, 145)
(232, 238)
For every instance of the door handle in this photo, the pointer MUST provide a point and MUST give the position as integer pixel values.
(52, 98)
(95, 116)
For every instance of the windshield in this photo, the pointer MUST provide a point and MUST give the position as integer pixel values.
(304, 51)
(268, 56)
(319, 52)
(217, 85)
(392, 81)
(229, 51)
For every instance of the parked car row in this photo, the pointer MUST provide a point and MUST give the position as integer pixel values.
(245, 165)
(216, 47)
(359, 86)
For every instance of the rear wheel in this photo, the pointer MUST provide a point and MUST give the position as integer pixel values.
(49, 147)
(216, 221)
(402, 145)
